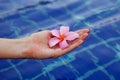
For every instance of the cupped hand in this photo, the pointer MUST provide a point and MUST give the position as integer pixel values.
(39, 48)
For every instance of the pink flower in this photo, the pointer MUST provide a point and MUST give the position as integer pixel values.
(62, 36)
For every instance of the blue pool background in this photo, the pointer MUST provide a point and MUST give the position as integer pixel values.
(97, 59)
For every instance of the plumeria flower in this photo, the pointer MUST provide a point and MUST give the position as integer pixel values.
(62, 36)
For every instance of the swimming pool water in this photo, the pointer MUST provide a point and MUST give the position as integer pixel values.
(97, 59)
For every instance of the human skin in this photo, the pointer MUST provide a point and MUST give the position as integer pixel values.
(36, 46)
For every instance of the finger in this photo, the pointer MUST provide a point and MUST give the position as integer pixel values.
(83, 31)
(84, 36)
(73, 45)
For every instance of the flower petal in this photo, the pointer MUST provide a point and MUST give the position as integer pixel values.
(55, 33)
(64, 30)
(72, 36)
(63, 44)
(53, 41)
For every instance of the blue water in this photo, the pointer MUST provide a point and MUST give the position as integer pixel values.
(97, 59)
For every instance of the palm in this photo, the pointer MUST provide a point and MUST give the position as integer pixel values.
(40, 48)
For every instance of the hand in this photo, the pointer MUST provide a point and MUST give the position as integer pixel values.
(39, 49)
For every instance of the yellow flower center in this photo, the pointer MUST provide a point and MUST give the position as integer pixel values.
(62, 37)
